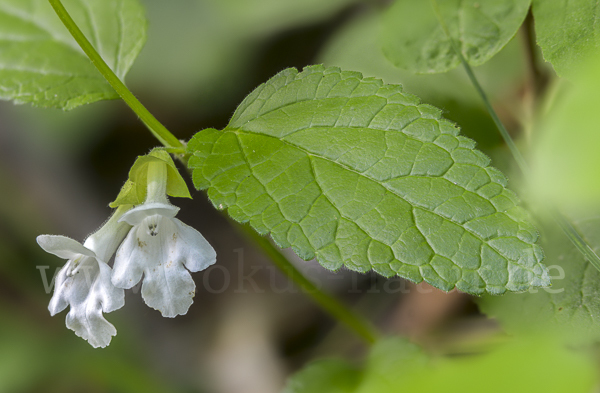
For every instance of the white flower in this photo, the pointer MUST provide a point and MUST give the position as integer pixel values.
(161, 247)
(84, 283)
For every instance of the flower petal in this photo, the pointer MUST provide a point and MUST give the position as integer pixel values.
(89, 292)
(169, 290)
(128, 269)
(162, 254)
(136, 215)
(168, 286)
(193, 250)
(63, 247)
(92, 327)
(58, 302)
(111, 297)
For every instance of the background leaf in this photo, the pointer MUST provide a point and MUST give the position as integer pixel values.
(535, 365)
(357, 173)
(567, 31)
(571, 307)
(355, 46)
(325, 376)
(41, 64)
(413, 38)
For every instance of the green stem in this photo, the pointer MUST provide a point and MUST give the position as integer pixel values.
(340, 312)
(158, 130)
(562, 221)
(505, 135)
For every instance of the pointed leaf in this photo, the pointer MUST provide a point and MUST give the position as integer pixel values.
(41, 64)
(414, 39)
(358, 173)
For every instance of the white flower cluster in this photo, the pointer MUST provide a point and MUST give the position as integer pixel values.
(149, 242)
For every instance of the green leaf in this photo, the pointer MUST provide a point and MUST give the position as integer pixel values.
(325, 376)
(567, 31)
(394, 365)
(391, 361)
(413, 38)
(358, 173)
(571, 307)
(41, 64)
(133, 191)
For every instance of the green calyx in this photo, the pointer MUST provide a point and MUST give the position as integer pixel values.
(134, 190)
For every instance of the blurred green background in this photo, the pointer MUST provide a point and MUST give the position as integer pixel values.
(248, 329)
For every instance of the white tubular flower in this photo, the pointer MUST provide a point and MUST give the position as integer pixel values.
(84, 282)
(161, 247)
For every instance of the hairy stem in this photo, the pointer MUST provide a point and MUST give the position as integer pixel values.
(328, 303)
(562, 221)
(158, 130)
